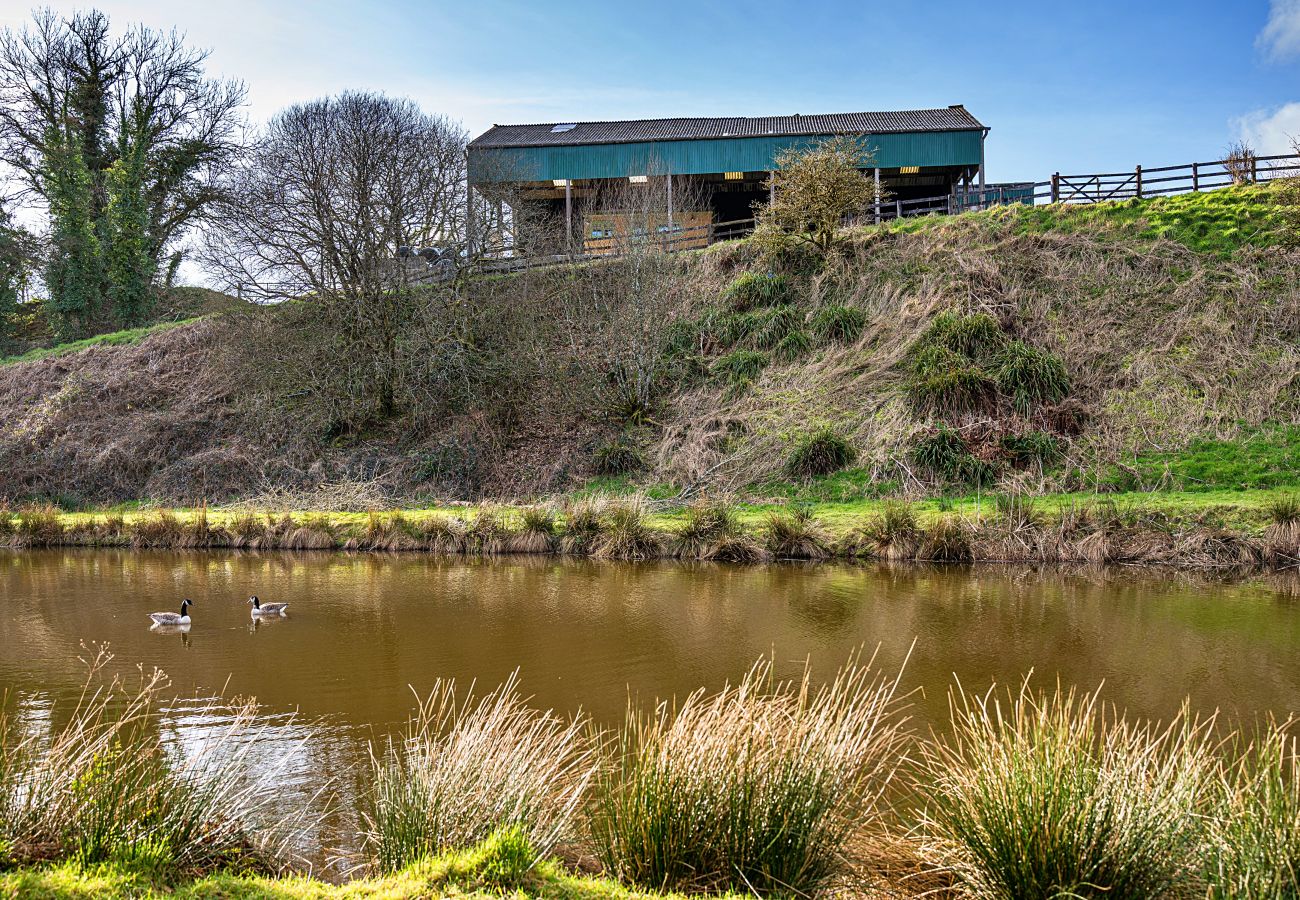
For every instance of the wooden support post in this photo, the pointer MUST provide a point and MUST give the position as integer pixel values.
(568, 211)
(1254, 169)
(1137, 176)
(469, 219)
(771, 185)
(670, 207)
(876, 195)
(898, 209)
(1056, 187)
(1196, 177)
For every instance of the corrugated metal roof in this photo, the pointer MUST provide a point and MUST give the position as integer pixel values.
(554, 134)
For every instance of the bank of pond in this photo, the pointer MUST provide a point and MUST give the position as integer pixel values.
(1008, 528)
(767, 786)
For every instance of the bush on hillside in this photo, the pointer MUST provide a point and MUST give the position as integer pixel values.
(838, 323)
(944, 454)
(977, 336)
(944, 382)
(750, 290)
(619, 456)
(820, 452)
(740, 367)
(1031, 447)
(1030, 376)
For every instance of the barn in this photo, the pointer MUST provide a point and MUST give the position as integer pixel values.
(557, 171)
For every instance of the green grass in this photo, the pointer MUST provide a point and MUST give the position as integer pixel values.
(473, 873)
(1265, 459)
(113, 339)
(1219, 221)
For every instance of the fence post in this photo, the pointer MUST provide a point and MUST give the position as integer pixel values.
(1196, 177)
(1138, 175)
(1056, 187)
(898, 209)
(1254, 169)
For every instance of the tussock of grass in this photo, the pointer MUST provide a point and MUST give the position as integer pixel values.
(740, 368)
(1030, 376)
(624, 533)
(1052, 796)
(536, 533)
(102, 786)
(582, 526)
(758, 788)
(468, 768)
(943, 382)
(619, 456)
(838, 323)
(796, 534)
(819, 452)
(893, 534)
(752, 289)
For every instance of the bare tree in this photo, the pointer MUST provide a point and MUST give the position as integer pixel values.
(1239, 163)
(326, 211)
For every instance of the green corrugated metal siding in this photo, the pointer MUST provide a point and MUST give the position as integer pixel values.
(935, 148)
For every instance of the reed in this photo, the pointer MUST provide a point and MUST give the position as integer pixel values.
(582, 526)
(894, 534)
(624, 533)
(1256, 835)
(711, 531)
(1054, 796)
(444, 534)
(468, 768)
(536, 533)
(104, 786)
(761, 788)
(39, 525)
(796, 534)
(486, 534)
(162, 529)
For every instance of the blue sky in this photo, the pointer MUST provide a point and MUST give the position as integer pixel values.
(1075, 88)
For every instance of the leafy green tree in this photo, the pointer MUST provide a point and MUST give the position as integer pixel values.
(815, 189)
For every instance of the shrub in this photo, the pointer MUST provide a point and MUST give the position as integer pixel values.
(1050, 796)
(468, 769)
(838, 323)
(740, 367)
(1030, 376)
(796, 535)
(1256, 842)
(772, 326)
(750, 290)
(944, 382)
(820, 452)
(892, 534)
(944, 454)
(704, 524)
(619, 456)
(977, 337)
(1031, 447)
(760, 788)
(794, 345)
(947, 540)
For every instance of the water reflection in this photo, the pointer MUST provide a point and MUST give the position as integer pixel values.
(367, 630)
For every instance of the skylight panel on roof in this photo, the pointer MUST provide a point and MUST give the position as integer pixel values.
(558, 129)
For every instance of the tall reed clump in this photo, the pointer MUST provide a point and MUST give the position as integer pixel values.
(1256, 841)
(582, 526)
(1282, 538)
(624, 533)
(796, 534)
(467, 769)
(1054, 796)
(536, 532)
(711, 531)
(764, 787)
(39, 526)
(104, 786)
(893, 534)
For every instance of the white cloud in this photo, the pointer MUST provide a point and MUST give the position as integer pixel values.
(1280, 38)
(1271, 131)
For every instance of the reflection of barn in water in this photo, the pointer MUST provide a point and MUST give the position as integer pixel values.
(562, 174)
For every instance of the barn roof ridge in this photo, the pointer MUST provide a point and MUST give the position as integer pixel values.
(684, 128)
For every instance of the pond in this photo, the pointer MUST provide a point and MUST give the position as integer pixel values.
(365, 633)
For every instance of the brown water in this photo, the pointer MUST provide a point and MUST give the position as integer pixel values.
(364, 631)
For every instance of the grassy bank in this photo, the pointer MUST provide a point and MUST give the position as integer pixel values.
(764, 788)
(1216, 529)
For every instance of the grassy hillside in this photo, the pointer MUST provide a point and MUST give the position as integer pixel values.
(1132, 346)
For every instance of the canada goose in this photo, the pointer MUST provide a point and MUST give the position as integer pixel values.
(166, 618)
(267, 609)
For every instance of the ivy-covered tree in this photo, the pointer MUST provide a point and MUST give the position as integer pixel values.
(15, 267)
(122, 139)
(73, 270)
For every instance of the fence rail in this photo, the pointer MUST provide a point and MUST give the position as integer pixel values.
(1138, 183)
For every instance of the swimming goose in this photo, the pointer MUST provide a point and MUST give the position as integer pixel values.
(166, 618)
(267, 609)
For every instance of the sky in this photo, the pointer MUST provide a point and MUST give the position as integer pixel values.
(1074, 88)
